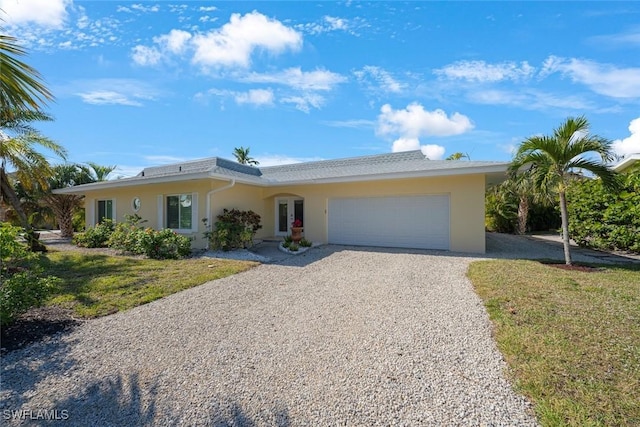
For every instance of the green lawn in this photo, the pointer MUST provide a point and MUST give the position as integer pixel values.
(571, 339)
(96, 285)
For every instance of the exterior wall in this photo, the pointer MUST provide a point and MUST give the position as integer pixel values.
(466, 198)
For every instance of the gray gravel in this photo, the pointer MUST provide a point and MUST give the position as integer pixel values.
(336, 336)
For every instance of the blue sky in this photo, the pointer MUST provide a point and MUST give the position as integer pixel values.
(146, 83)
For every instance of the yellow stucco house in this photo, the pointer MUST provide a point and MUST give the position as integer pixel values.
(388, 200)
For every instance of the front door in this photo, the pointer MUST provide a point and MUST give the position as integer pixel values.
(288, 209)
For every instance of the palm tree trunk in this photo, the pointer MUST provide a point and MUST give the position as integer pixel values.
(523, 215)
(565, 227)
(32, 237)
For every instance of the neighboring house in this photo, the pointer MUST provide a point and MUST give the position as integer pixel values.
(626, 163)
(389, 200)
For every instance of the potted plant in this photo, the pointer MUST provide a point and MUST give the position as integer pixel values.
(296, 231)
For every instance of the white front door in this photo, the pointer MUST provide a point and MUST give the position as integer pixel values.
(288, 209)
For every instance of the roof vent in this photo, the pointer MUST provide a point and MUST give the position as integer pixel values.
(179, 168)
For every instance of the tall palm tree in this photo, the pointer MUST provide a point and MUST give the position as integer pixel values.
(100, 172)
(21, 86)
(63, 205)
(242, 156)
(19, 149)
(553, 159)
(521, 188)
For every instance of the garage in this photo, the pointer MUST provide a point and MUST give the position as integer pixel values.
(402, 221)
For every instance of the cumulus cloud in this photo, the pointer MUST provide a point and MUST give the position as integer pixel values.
(46, 13)
(630, 144)
(255, 97)
(604, 79)
(231, 45)
(234, 43)
(413, 122)
(294, 77)
(481, 71)
(377, 79)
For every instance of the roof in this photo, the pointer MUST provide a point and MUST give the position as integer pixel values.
(406, 164)
(627, 162)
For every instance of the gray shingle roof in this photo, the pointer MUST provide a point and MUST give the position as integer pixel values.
(213, 164)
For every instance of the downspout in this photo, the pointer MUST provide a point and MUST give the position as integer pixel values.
(211, 193)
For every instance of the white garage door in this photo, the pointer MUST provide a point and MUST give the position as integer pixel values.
(403, 222)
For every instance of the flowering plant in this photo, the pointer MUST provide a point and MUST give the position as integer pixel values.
(297, 223)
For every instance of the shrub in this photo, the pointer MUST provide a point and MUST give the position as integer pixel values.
(165, 244)
(96, 237)
(305, 243)
(234, 229)
(604, 219)
(22, 284)
(293, 247)
(127, 236)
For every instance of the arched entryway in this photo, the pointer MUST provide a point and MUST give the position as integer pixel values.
(288, 210)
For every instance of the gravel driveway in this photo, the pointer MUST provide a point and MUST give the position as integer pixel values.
(337, 336)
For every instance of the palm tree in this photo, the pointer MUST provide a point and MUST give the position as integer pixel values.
(63, 205)
(553, 159)
(242, 156)
(19, 149)
(21, 86)
(100, 172)
(458, 156)
(520, 187)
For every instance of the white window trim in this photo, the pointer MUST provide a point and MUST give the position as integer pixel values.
(96, 210)
(162, 207)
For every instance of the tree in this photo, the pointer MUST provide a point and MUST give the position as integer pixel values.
(242, 156)
(21, 86)
(100, 172)
(458, 156)
(553, 159)
(19, 149)
(63, 205)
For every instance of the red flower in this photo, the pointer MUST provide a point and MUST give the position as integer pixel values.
(297, 223)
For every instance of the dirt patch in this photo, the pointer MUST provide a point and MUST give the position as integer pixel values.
(573, 267)
(35, 325)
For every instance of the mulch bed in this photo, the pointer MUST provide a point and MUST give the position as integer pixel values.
(573, 267)
(36, 325)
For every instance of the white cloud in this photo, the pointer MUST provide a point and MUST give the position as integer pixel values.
(145, 56)
(480, 71)
(255, 97)
(47, 13)
(305, 101)
(414, 121)
(231, 45)
(353, 124)
(108, 97)
(234, 43)
(296, 78)
(604, 79)
(432, 151)
(530, 99)
(175, 41)
(630, 144)
(384, 81)
(325, 25)
(145, 9)
(207, 8)
(113, 92)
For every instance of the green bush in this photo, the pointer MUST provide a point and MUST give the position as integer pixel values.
(234, 229)
(293, 247)
(165, 244)
(305, 243)
(128, 236)
(22, 284)
(604, 219)
(96, 237)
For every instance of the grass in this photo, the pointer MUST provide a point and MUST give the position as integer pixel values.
(571, 339)
(97, 285)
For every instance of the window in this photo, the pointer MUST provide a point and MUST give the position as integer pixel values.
(105, 210)
(179, 211)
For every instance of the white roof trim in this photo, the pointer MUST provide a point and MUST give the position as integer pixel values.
(627, 162)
